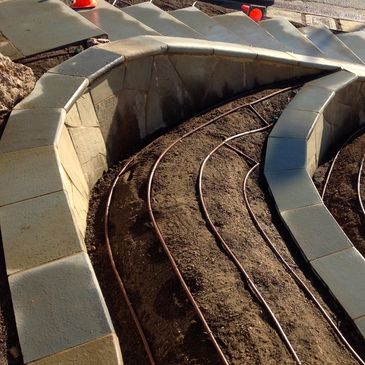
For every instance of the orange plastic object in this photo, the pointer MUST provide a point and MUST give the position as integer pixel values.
(245, 9)
(83, 4)
(256, 14)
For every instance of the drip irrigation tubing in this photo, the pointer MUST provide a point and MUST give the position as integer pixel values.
(227, 248)
(157, 228)
(270, 243)
(115, 270)
(359, 185)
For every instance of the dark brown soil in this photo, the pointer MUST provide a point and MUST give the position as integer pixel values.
(240, 323)
(341, 196)
(169, 5)
(9, 344)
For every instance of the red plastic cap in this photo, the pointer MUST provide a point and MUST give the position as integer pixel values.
(245, 8)
(256, 14)
(83, 4)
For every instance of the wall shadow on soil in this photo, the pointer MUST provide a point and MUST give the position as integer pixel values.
(9, 341)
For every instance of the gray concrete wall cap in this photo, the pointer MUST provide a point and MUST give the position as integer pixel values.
(54, 91)
(316, 231)
(312, 98)
(292, 189)
(50, 232)
(335, 81)
(275, 56)
(136, 47)
(285, 154)
(344, 272)
(90, 63)
(30, 128)
(187, 45)
(294, 123)
(62, 303)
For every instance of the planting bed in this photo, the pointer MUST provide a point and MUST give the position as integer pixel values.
(242, 326)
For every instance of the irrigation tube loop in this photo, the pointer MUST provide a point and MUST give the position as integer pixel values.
(228, 250)
(272, 246)
(156, 226)
(359, 185)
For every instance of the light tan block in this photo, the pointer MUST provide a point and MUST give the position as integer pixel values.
(37, 231)
(90, 148)
(107, 85)
(86, 110)
(79, 205)
(107, 113)
(28, 173)
(73, 117)
(71, 164)
(102, 351)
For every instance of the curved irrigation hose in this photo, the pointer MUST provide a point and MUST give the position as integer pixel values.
(157, 228)
(115, 270)
(228, 250)
(359, 185)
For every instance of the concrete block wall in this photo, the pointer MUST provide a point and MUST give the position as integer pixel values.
(319, 118)
(82, 116)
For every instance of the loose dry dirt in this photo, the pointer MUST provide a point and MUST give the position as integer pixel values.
(242, 326)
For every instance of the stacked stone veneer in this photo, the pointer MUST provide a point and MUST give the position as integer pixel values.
(82, 116)
(319, 118)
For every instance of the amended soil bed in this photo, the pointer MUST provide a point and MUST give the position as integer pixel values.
(242, 326)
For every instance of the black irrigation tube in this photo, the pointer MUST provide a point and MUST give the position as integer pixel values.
(359, 185)
(115, 270)
(227, 248)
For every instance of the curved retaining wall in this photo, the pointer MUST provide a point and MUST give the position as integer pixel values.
(82, 116)
(323, 114)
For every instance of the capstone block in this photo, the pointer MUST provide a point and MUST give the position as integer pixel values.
(292, 189)
(37, 231)
(335, 81)
(61, 92)
(344, 272)
(30, 128)
(104, 350)
(285, 154)
(61, 303)
(315, 231)
(136, 47)
(29, 173)
(90, 63)
(294, 123)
